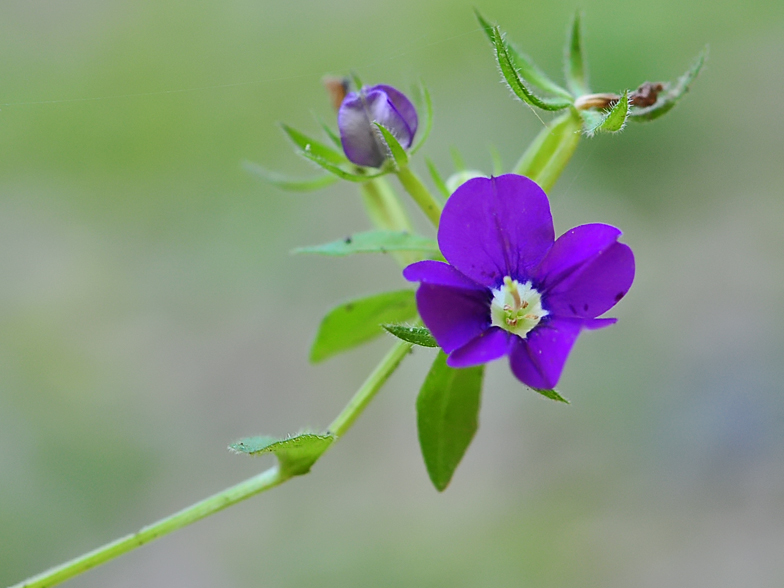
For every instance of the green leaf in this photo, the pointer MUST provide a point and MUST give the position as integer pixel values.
(313, 147)
(358, 321)
(339, 171)
(329, 131)
(296, 454)
(374, 242)
(516, 83)
(447, 417)
(667, 100)
(525, 65)
(427, 119)
(287, 183)
(416, 335)
(437, 179)
(399, 155)
(551, 394)
(457, 159)
(547, 156)
(576, 67)
(608, 122)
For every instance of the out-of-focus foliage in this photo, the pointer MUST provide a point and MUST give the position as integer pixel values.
(150, 312)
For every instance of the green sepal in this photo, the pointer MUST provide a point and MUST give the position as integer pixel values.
(416, 335)
(498, 164)
(399, 155)
(374, 242)
(525, 65)
(611, 121)
(576, 66)
(358, 321)
(426, 106)
(516, 83)
(313, 147)
(551, 394)
(447, 417)
(288, 183)
(438, 181)
(329, 131)
(547, 156)
(357, 82)
(668, 99)
(339, 171)
(296, 454)
(457, 159)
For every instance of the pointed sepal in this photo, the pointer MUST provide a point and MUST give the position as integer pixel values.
(286, 182)
(416, 335)
(296, 454)
(313, 147)
(425, 108)
(576, 65)
(396, 150)
(610, 121)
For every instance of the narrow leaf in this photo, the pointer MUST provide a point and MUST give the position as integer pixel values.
(551, 394)
(437, 179)
(397, 151)
(447, 417)
(374, 242)
(547, 156)
(576, 67)
(516, 83)
(313, 147)
(426, 119)
(359, 321)
(329, 131)
(608, 122)
(296, 454)
(667, 100)
(416, 335)
(339, 171)
(287, 183)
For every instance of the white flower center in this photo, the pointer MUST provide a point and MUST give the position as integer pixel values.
(516, 307)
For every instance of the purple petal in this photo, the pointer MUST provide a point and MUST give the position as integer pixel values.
(359, 138)
(496, 227)
(404, 108)
(595, 286)
(538, 360)
(488, 346)
(572, 250)
(598, 323)
(438, 272)
(453, 315)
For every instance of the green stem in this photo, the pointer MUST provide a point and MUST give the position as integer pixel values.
(259, 483)
(369, 388)
(421, 195)
(551, 150)
(387, 213)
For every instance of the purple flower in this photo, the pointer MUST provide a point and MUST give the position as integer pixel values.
(510, 288)
(362, 141)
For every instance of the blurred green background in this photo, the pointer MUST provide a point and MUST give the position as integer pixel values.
(150, 312)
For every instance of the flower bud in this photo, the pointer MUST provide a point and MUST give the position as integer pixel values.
(380, 104)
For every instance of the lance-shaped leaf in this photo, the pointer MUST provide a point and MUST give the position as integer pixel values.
(338, 171)
(287, 183)
(416, 335)
(527, 68)
(374, 242)
(436, 177)
(516, 83)
(426, 116)
(576, 65)
(313, 147)
(551, 394)
(667, 100)
(611, 121)
(296, 454)
(546, 157)
(399, 155)
(447, 417)
(359, 321)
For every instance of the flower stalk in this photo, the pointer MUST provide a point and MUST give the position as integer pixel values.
(421, 195)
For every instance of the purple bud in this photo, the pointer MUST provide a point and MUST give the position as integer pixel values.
(362, 142)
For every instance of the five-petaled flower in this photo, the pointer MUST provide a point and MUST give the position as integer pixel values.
(510, 288)
(361, 139)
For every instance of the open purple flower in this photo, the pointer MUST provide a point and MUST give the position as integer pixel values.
(510, 288)
(361, 139)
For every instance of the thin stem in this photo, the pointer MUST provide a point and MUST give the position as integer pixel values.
(259, 483)
(387, 213)
(369, 388)
(421, 195)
